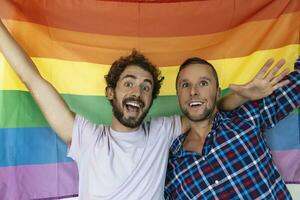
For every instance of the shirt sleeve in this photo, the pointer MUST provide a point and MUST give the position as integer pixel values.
(267, 112)
(83, 134)
(169, 126)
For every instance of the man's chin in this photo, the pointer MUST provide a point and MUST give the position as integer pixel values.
(131, 122)
(198, 118)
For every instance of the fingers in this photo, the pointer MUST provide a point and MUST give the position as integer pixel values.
(279, 77)
(262, 72)
(277, 83)
(272, 73)
(280, 84)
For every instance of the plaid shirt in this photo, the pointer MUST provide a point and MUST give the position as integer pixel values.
(236, 162)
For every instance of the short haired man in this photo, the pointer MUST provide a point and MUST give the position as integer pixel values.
(224, 155)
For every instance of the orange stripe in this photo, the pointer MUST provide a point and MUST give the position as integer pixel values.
(145, 19)
(40, 41)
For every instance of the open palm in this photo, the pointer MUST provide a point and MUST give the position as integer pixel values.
(264, 83)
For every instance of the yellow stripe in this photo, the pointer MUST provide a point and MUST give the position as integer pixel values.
(88, 79)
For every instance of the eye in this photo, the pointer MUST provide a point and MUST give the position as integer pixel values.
(203, 83)
(146, 88)
(185, 85)
(128, 84)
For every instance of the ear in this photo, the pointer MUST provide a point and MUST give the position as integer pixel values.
(109, 92)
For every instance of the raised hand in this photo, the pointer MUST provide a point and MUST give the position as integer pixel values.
(264, 83)
(56, 111)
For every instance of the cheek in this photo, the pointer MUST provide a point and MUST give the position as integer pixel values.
(181, 100)
(148, 97)
(183, 95)
(119, 98)
(213, 98)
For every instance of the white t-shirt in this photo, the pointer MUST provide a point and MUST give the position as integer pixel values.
(123, 165)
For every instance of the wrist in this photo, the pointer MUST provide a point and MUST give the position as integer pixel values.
(242, 99)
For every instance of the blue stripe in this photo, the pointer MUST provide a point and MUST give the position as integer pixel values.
(285, 135)
(28, 146)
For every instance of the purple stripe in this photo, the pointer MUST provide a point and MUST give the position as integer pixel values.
(288, 164)
(38, 181)
(58, 180)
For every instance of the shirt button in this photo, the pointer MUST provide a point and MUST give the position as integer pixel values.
(216, 182)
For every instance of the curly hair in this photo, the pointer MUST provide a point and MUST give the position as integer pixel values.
(138, 59)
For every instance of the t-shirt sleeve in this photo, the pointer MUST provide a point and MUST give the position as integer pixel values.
(175, 127)
(169, 126)
(84, 133)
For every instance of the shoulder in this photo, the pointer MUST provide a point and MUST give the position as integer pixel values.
(165, 121)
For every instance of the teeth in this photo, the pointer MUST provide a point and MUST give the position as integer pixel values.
(134, 104)
(196, 104)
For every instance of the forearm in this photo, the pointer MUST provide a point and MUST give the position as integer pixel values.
(54, 108)
(231, 101)
(16, 57)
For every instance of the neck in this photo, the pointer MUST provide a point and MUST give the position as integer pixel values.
(116, 125)
(200, 129)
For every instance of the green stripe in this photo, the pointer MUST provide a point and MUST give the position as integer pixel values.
(18, 109)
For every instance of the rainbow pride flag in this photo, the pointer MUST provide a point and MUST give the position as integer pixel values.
(74, 42)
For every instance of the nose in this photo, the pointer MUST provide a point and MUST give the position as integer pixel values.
(194, 90)
(136, 91)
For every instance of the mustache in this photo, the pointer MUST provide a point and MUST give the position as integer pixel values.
(138, 100)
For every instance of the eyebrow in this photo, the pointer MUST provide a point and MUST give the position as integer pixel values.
(134, 77)
(201, 78)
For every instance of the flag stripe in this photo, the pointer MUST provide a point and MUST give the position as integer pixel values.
(144, 20)
(20, 142)
(64, 174)
(88, 79)
(30, 146)
(20, 110)
(104, 49)
(288, 163)
(286, 130)
(39, 181)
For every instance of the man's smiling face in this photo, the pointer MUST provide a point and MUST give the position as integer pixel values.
(132, 97)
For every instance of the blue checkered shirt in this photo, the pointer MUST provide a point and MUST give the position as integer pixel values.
(236, 162)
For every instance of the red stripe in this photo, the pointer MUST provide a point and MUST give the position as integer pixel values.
(145, 19)
(150, 1)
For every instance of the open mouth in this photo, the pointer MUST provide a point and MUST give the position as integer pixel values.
(195, 104)
(133, 106)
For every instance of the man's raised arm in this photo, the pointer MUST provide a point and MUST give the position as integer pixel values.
(263, 84)
(52, 105)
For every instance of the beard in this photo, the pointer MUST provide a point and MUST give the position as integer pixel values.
(131, 122)
(206, 115)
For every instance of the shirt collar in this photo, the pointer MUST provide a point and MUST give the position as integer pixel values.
(177, 146)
